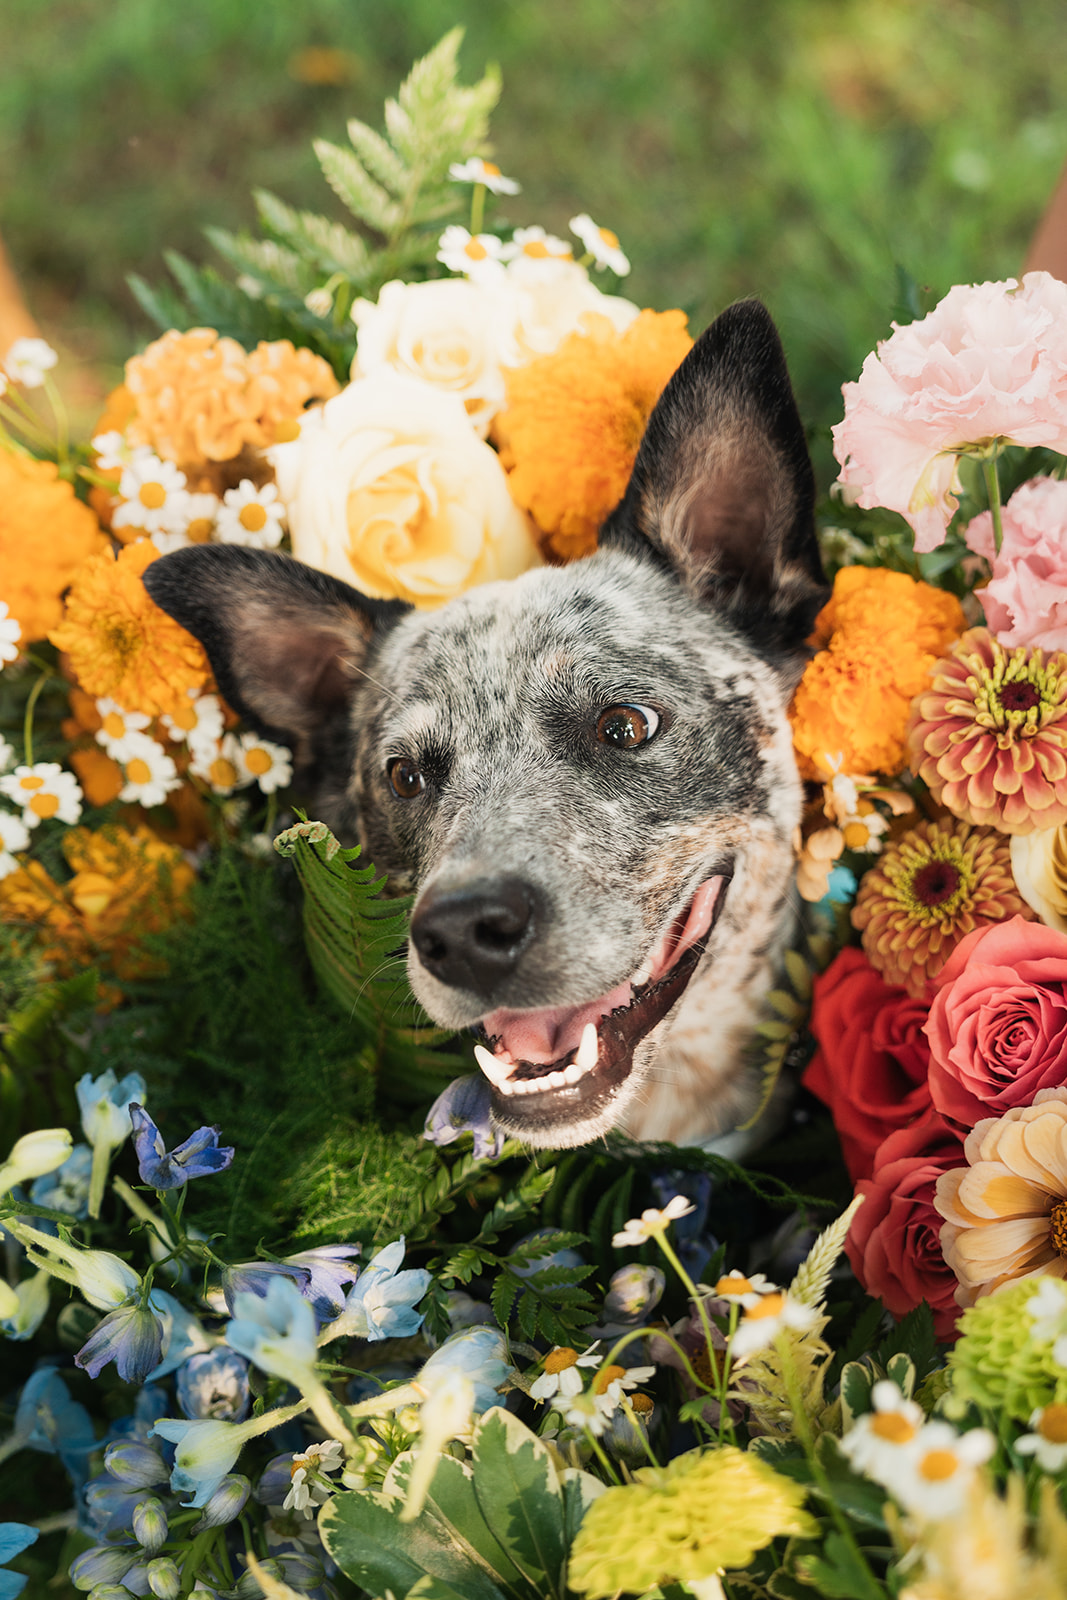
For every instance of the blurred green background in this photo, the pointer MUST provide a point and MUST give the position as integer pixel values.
(802, 150)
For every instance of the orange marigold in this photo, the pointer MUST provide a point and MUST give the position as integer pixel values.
(45, 535)
(879, 637)
(574, 419)
(202, 398)
(101, 778)
(119, 641)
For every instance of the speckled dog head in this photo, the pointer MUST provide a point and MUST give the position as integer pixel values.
(585, 774)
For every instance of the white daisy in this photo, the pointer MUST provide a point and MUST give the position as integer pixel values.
(586, 1410)
(269, 765)
(931, 1479)
(28, 360)
(153, 494)
(1047, 1310)
(43, 791)
(651, 1222)
(112, 451)
(251, 516)
(14, 835)
(601, 243)
(310, 1488)
(10, 634)
(199, 723)
(475, 170)
(150, 772)
(612, 1382)
(119, 726)
(561, 1375)
(876, 1439)
(479, 255)
(220, 765)
(538, 245)
(746, 1291)
(1048, 1445)
(764, 1321)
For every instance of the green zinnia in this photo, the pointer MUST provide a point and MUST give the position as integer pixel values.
(1001, 1362)
(703, 1512)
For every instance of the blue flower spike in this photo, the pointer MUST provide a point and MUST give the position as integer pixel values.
(199, 1157)
(105, 1103)
(382, 1303)
(131, 1337)
(15, 1537)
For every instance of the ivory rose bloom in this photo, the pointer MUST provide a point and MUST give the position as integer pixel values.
(1039, 866)
(988, 364)
(1025, 602)
(389, 488)
(552, 296)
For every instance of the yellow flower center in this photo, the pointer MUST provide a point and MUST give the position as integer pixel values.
(609, 238)
(559, 1360)
(199, 530)
(257, 761)
(152, 495)
(223, 773)
(185, 718)
(490, 169)
(286, 431)
(937, 1466)
(642, 1404)
(890, 1425)
(114, 725)
(771, 1305)
(734, 1284)
(605, 1376)
(536, 248)
(857, 836)
(1057, 1231)
(1053, 1424)
(138, 771)
(474, 250)
(31, 782)
(45, 805)
(252, 516)
(124, 639)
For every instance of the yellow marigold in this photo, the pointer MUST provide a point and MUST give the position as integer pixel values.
(101, 778)
(574, 419)
(126, 883)
(878, 637)
(45, 535)
(202, 398)
(120, 643)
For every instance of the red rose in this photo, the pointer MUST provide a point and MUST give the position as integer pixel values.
(871, 1064)
(998, 1022)
(894, 1243)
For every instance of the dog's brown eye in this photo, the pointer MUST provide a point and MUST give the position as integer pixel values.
(405, 779)
(627, 726)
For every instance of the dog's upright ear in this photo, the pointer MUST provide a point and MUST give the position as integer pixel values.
(722, 488)
(286, 643)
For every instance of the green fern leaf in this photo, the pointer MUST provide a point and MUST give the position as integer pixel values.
(275, 265)
(379, 157)
(355, 188)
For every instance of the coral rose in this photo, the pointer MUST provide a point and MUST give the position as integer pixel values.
(998, 1022)
(894, 1243)
(870, 1067)
(1025, 601)
(389, 488)
(987, 366)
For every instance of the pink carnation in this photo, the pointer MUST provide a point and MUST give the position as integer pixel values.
(1026, 600)
(989, 362)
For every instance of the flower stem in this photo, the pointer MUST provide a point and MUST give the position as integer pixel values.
(601, 1456)
(98, 1175)
(27, 721)
(694, 1294)
(59, 412)
(327, 1414)
(992, 483)
(477, 208)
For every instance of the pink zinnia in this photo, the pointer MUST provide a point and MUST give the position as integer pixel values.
(1026, 600)
(986, 367)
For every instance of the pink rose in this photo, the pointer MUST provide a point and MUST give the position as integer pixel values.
(894, 1243)
(1026, 600)
(989, 362)
(998, 1023)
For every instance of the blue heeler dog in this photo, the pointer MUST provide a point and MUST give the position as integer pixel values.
(585, 774)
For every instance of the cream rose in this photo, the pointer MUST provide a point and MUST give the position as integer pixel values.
(390, 488)
(1039, 866)
(552, 295)
(447, 333)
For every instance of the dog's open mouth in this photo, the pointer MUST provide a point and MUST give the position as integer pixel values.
(565, 1061)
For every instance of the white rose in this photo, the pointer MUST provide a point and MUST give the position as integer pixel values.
(553, 295)
(389, 488)
(447, 333)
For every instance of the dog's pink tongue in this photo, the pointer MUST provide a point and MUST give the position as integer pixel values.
(689, 932)
(542, 1036)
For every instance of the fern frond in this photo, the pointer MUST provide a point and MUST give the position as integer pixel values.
(274, 265)
(330, 245)
(356, 189)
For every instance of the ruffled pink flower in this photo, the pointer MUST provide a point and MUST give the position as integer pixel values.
(1026, 600)
(988, 363)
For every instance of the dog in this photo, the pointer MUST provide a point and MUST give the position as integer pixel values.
(585, 775)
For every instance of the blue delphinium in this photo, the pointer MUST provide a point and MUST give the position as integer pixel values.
(46, 1418)
(214, 1384)
(105, 1103)
(330, 1276)
(255, 1277)
(198, 1157)
(182, 1334)
(67, 1188)
(131, 1337)
(15, 1537)
(480, 1354)
(382, 1303)
(466, 1107)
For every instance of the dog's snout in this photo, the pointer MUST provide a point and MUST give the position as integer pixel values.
(472, 937)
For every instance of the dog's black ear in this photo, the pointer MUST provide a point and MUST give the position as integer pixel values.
(722, 488)
(285, 642)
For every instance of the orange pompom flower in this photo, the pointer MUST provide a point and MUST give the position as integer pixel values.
(45, 535)
(119, 641)
(879, 636)
(574, 419)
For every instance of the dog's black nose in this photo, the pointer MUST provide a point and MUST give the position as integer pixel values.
(472, 937)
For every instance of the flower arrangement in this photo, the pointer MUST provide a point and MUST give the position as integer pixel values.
(367, 1344)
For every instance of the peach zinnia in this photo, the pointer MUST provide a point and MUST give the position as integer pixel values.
(1006, 1211)
(989, 736)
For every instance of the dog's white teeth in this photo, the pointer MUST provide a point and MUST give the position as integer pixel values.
(642, 975)
(574, 1072)
(494, 1070)
(588, 1048)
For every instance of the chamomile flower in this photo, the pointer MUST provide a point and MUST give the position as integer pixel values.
(310, 1485)
(561, 1375)
(763, 1322)
(874, 1443)
(746, 1292)
(538, 245)
(932, 1478)
(44, 791)
(28, 360)
(112, 451)
(150, 772)
(652, 1222)
(220, 765)
(612, 1382)
(586, 1410)
(251, 516)
(202, 510)
(1047, 1310)
(14, 835)
(1048, 1443)
(601, 243)
(199, 723)
(119, 726)
(475, 170)
(153, 494)
(478, 255)
(259, 761)
(10, 634)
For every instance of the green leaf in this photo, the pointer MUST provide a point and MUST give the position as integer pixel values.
(363, 1533)
(900, 1369)
(520, 1497)
(503, 1295)
(429, 1588)
(452, 1504)
(840, 1573)
(580, 1489)
(915, 1337)
(355, 188)
(857, 1381)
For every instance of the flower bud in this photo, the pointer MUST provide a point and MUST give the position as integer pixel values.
(35, 1154)
(136, 1465)
(362, 1459)
(109, 1591)
(103, 1564)
(226, 1504)
(298, 1571)
(164, 1579)
(150, 1524)
(634, 1292)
